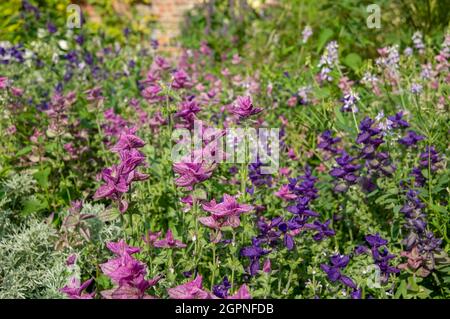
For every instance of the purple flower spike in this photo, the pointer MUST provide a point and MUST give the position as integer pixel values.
(376, 240)
(254, 253)
(411, 139)
(221, 290)
(322, 229)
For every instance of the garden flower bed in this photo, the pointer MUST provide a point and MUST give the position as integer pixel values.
(339, 187)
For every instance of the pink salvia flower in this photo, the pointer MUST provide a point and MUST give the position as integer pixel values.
(74, 290)
(243, 107)
(127, 274)
(161, 63)
(152, 93)
(285, 194)
(190, 290)
(228, 207)
(121, 248)
(3, 82)
(11, 130)
(242, 293)
(181, 80)
(225, 214)
(16, 91)
(236, 59)
(292, 155)
(267, 267)
(70, 261)
(128, 141)
(118, 178)
(191, 173)
(150, 238)
(169, 242)
(285, 171)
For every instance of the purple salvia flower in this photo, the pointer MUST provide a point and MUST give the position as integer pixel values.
(411, 139)
(152, 93)
(397, 120)
(121, 248)
(381, 255)
(127, 274)
(322, 229)
(333, 271)
(254, 253)
(221, 290)
(70, 261)
(150, 238)
(350, 100)
(327, 142)
(51, 28)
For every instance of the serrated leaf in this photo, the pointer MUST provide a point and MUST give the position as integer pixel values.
(33, 205)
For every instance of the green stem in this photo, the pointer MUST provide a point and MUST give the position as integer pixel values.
(196, 235)
(213, 272)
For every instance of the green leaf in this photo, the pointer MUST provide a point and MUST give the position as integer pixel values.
(41, 177)
(109, 214)
(324, 36)
(425, 173)
(353, 61)
(33, 205)
(24, 151)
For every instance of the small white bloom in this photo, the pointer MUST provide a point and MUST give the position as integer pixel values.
(63, 45)
(379, 116)
(41, 33)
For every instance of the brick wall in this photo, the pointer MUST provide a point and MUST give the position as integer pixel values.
(169, 15)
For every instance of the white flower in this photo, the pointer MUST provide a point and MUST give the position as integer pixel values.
(63, 45)
(41, 33)
(379, 116)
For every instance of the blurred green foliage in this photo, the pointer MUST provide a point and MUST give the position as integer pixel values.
(108, 17)
(272, 34)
